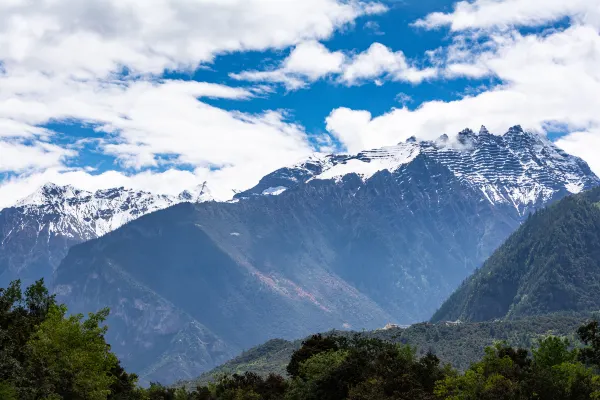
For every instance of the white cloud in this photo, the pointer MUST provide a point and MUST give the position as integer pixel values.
(62, 60)
(311, 61)
(585, 145)
(404, 98)
(350, 127)
(97, 37)
(485, 14)
(552, 79)
(546, 80)
(374, 28)
(146, 120)
(18, 157)
(467, 70)
(379, 61)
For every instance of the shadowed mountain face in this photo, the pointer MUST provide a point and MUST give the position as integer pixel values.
(344, 242)
(552, 263)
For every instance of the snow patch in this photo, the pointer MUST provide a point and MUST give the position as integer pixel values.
(574, 187)
(367, 163)
(274, 191)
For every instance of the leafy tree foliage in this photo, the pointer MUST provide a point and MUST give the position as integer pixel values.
(45, 354)
(551, 372)
(314, 345)
(69, 357)
(590, 336)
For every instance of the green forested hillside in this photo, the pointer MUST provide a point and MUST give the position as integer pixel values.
(362, 367)
(455, 344)
(551, 263)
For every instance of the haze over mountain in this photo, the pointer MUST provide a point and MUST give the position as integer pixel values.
(551, 263)
(339, 241)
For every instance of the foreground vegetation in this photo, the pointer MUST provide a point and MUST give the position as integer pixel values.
(459, 345)
(361, 368)
(47, 354)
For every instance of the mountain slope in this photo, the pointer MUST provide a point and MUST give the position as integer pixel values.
(169, 255)
(341, 241)
(552, 263)
(37, 232)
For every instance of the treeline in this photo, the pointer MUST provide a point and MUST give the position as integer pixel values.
(459, 345)
(335, 368)
(47, 354)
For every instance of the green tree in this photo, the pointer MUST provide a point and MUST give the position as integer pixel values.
(68, 356)
(590, 336)
(124, 386)
(7, 391)
(496, 376)
(553, 351)
(314, 345)
(321, 364)
(20, 315)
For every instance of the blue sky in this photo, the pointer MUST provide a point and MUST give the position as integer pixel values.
(162, 95)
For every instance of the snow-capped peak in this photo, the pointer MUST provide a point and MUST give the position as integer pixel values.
(48, 193)
(519, 168)
(82, 214)
(199, 194)
(367, 163)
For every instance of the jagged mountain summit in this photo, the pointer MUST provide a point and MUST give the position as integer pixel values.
(339, 241)
(522, 169)
(199, 194)
(36, 233)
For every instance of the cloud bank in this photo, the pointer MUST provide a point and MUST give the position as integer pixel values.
(100, 63)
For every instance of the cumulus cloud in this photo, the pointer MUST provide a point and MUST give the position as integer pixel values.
(585, 144)
(379, 61)
(307, 62)
(551, 79)
(19, 158)
(311, 61)
(483, 14)
(99, 63)
(97, 37)
(145, 120)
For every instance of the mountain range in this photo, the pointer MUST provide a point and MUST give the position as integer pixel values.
(337, 241)
(36, 233)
